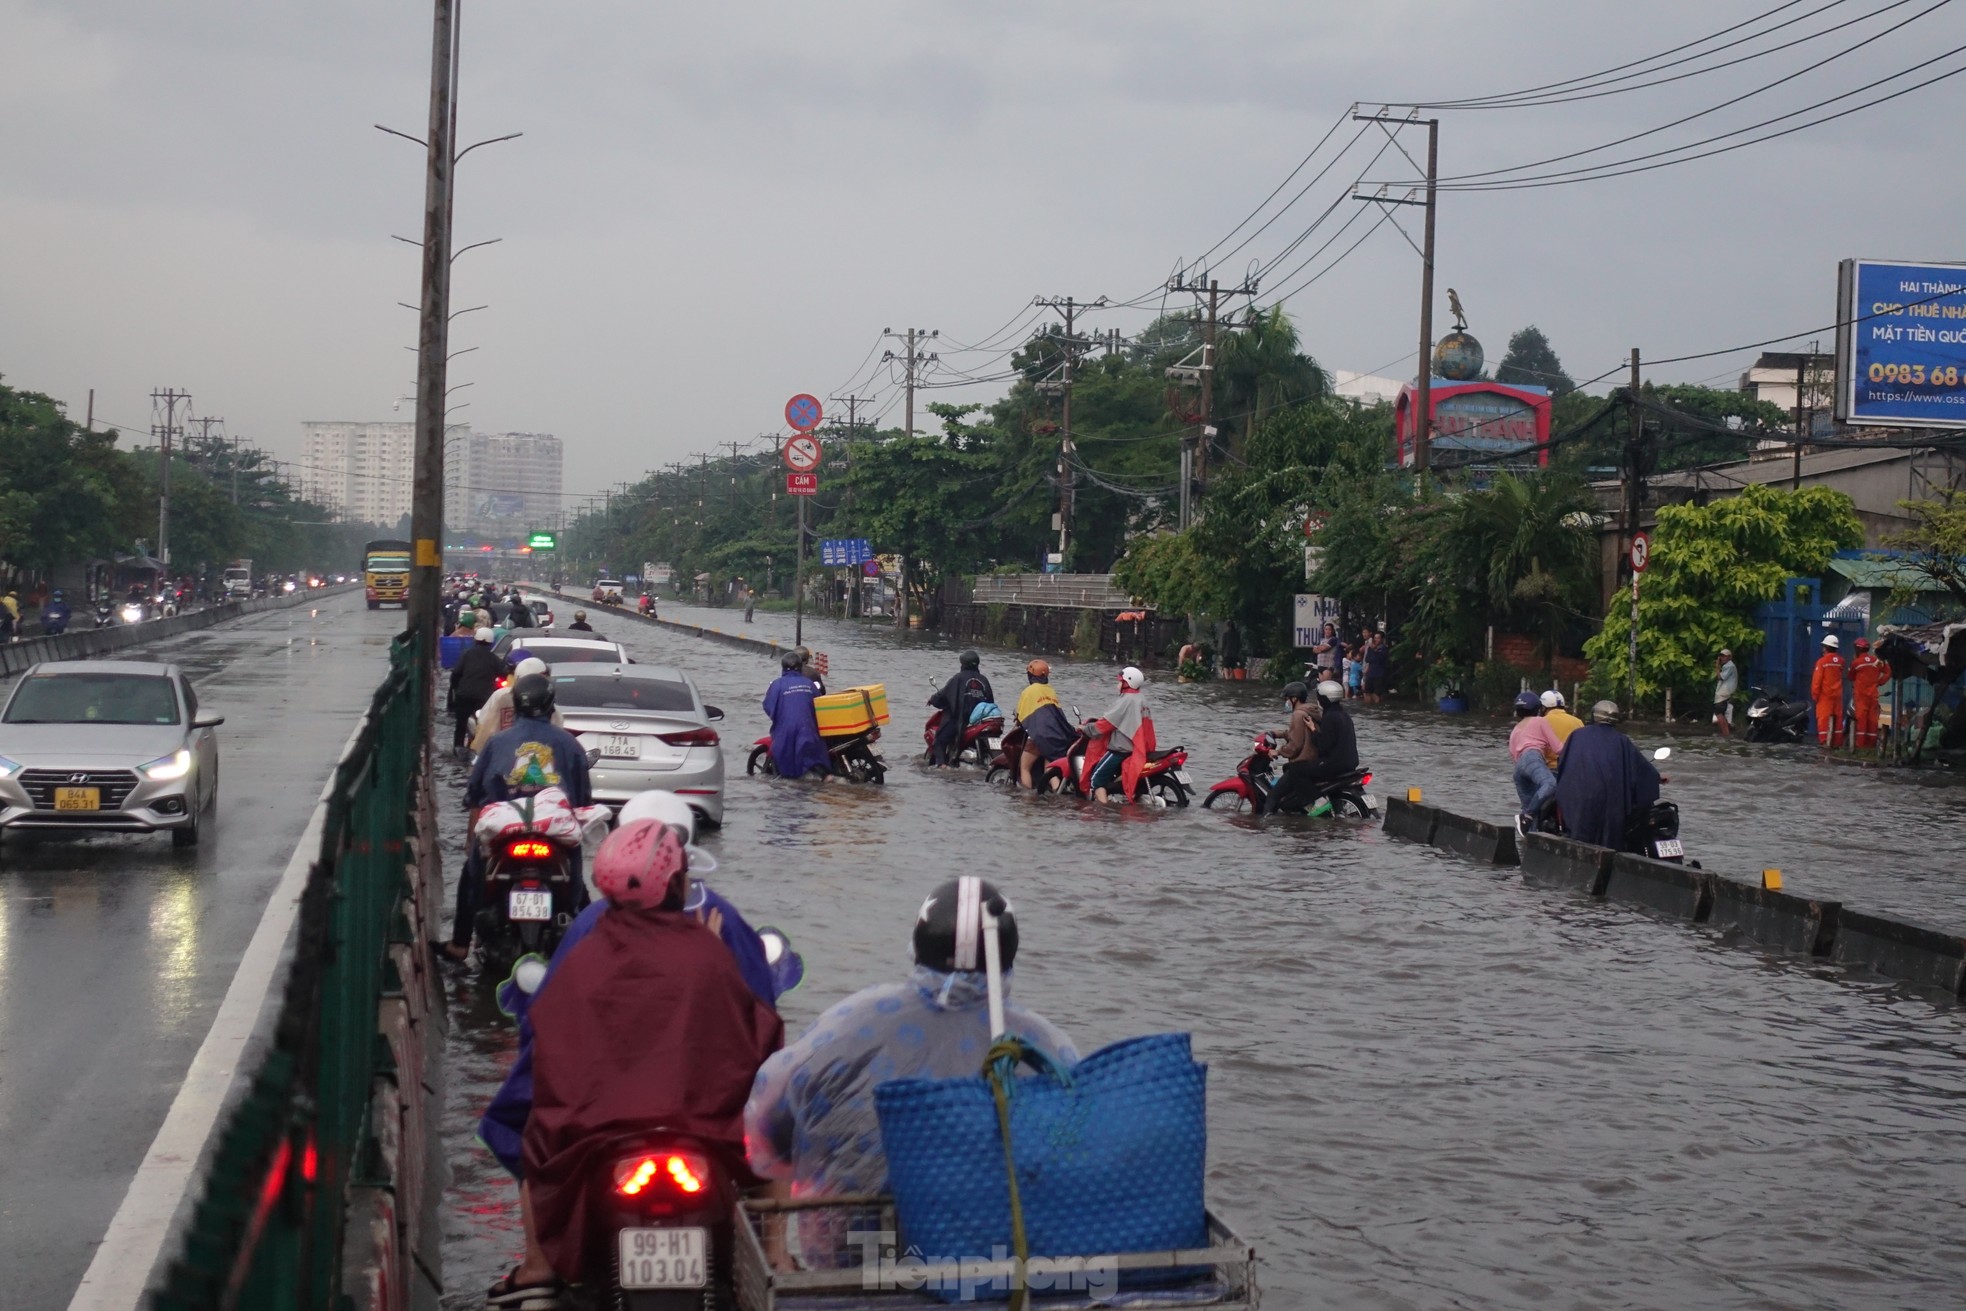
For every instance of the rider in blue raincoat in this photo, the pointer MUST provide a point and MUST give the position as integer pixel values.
(811, 1120)
(796, 747)
(1603, 780)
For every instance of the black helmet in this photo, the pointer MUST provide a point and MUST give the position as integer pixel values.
(1296, 691)
(949, 929)
(532, 697)
(793, 659)
(971, 660)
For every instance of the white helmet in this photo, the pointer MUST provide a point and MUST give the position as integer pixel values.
(1831, 642)
(530, 665)
(1552, 700)
(668, 808)
(483, 634)
(1330, 691)
(1133, 678)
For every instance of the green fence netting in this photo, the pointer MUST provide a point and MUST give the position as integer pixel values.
(268, 1230)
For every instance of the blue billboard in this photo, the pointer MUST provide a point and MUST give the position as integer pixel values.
(1901, 344)
(845, 550)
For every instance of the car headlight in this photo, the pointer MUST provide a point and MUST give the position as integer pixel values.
(8, 768)
(164, 770)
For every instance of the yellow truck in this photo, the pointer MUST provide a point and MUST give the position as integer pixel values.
(386, 573)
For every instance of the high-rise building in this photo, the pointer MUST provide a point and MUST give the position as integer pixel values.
(503, 485)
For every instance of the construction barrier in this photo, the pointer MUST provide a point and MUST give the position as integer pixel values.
(1676, 890)
(1746, 912)
(1549, 861)
(1780, 921)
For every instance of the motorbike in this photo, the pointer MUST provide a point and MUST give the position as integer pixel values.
(1003, 765)
(1256, 775)
(530, 899)
(1165, 777)
(54, 624)
(976, 745)
(132, 612)
(660, 1219)
(1652, 832)
(1771, 718)
(105, 614)
(851, 757)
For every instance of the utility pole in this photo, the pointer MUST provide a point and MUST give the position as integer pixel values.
(1634, 506)
(1194, 447)
(168, 398)
(1067, 475)
(911, 364)
(1802, 413)
(1423, 417)
(733, 471)
(433, 332)
(853, 422)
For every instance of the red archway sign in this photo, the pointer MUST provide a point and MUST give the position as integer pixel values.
(802, 412)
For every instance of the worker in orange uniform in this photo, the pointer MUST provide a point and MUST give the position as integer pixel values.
(1867, 675)
(1826, 689)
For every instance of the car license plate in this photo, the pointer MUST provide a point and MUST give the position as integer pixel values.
(1181, 777)
(525, 904)
(663, 1258)
(621, 746)
(1666, 847)
(78, 798)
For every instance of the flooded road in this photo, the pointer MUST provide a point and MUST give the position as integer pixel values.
(1430, 1085)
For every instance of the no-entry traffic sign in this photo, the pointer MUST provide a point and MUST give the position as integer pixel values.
(1641, 552)
(802, 412)
(800, 453)
(802, 484)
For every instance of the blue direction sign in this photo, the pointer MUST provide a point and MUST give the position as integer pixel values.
(845, 550)
(802, 412)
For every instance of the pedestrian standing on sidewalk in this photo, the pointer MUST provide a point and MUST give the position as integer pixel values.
(1378, 668)
(1726, 682)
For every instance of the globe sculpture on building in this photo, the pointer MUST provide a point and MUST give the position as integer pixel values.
(1458, 357)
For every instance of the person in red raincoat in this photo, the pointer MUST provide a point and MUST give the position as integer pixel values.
(1125, 738)
(1826, 690)
(1867, 675)
(647, 1020)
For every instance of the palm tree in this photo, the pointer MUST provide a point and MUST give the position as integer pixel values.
(1258, 368)
(1530, 546)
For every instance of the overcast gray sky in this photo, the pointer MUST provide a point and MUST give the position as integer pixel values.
(715, 206)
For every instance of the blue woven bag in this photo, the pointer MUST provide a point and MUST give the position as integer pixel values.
(1110, 1155)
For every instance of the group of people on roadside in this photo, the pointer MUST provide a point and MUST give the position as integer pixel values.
(1847, 696)
(1362, 667)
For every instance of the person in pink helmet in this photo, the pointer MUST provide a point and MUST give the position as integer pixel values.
(649, 980)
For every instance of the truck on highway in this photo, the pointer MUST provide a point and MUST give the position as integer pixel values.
(238, 580)
(386, 573)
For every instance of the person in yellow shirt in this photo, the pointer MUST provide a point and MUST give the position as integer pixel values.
(1561, 721)
(1047, 733)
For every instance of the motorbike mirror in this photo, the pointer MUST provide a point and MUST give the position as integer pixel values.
(593, 756)
(528, 974)
(714, 712)
(1663, 753)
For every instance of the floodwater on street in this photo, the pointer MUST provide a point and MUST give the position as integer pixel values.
(1431, 1085)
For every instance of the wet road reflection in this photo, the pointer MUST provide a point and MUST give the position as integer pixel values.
(1431, 1085)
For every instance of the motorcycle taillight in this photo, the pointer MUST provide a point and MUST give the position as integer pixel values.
(1366, 780)
(675, 1172)
(529, 849)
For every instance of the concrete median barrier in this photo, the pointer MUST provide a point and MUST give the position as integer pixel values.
(1901, 950)
(1777, 920)
(1493, 844)
(1407, 819)
(1549, 861)
(609, 613)
(1676, 890)
(92, 643)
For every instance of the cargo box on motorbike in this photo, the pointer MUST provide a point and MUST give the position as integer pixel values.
(856, 710)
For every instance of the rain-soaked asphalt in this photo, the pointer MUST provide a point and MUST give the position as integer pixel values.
(1431, 1086)
(116, 949)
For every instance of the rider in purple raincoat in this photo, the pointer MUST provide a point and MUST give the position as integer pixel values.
(796, 747)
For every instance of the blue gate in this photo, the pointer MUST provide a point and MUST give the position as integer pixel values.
(1793, 629)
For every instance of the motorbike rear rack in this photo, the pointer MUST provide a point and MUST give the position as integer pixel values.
(850, 1261)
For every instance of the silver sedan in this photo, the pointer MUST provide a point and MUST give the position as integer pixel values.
(652, 730)
(107, 744)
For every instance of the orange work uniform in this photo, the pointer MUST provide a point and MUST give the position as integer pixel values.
(1867, 675)
(1826, 688)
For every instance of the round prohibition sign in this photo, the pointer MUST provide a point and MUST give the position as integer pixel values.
(1641, 552)
(802, 412)
(801, 453)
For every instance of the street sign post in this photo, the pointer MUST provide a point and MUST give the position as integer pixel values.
(802, 412)
(802, 484)
(1641, 552)
(543, 542)
(801, 453)
(845, 550)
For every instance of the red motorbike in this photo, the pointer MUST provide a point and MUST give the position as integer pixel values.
(976, 746)
(1165, 776)
(1255, 776)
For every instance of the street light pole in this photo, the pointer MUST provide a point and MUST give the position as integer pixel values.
(433, 335)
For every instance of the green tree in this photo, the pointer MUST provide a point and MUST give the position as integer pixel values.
(1531, 362)
(1936, 541)
(1711, 566)
(1258, 369)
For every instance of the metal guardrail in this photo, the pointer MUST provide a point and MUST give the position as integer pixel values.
(1078, 591)
(269, 1229)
